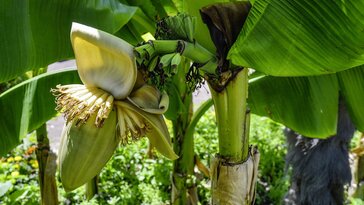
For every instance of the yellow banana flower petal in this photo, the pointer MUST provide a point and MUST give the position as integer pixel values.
(79, 102)
(149, 99)
(103, 60)
(134, 123)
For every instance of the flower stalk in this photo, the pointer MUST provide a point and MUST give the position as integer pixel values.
(183, 144)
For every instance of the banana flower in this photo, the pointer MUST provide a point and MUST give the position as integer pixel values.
(113, 105)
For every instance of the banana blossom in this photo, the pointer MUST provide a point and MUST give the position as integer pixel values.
(111, 94)
(112, 105)
(107, 67)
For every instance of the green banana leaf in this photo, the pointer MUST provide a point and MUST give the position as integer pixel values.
(309, 105)
(130, 34)
(166, 8)
(305, 104)
(138, 25)
(352, 88)
(300, 38)
(28, 105)
(155, 9)
(36, 33)
(145, 18)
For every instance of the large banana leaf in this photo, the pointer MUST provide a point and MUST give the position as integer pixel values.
(305, 104)
(145, 18)
(28, 105)
(295, 38)
(352, 88)
(309, 105)
(138, 25)
(36, 33)
(155, 9)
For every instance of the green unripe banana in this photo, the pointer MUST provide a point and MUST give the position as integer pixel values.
(176, 60)
(153, 63)
(166, 60)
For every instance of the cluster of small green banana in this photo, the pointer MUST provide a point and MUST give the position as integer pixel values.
(112, 106)
(168, 63)
(161, 58)
(158, 70)
(175, 41)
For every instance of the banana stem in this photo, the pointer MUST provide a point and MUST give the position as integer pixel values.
(47, 162)
(183, 144)
(47, 168)
(231, 115)
(234, 170)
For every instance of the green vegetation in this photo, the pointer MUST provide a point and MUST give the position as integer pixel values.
(131, 178)
(273, 182)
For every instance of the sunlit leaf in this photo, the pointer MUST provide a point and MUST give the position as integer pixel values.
(292, 38)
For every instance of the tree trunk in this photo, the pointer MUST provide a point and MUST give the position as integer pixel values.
(320, 168)
(47, 168)
(234, 183)
(234, 170)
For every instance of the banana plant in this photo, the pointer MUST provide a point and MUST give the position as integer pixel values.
(184, 120)
(312, 109)
(282, 38)
(229, 93)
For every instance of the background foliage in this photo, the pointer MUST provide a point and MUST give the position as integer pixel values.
(131, 178)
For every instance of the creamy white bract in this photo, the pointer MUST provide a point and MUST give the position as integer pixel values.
(107, 69)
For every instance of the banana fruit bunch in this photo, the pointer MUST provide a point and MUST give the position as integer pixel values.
(113, 105)
(159, 59)
(158, 68)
